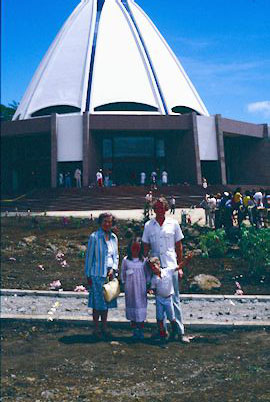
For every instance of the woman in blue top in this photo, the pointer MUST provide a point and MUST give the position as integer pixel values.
(101, 263)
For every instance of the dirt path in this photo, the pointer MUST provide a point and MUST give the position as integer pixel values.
(63, 363)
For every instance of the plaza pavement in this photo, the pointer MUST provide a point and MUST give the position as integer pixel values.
(197, 214)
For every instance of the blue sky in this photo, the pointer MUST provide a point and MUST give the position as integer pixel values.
(224, 46)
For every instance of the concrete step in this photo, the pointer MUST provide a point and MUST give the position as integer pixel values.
(213, 310)
(99, 199)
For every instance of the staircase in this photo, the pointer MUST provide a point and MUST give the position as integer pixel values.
(113, 198)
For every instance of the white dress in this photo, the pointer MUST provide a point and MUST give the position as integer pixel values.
(135, 275)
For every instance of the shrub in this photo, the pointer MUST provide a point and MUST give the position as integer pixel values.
(255, 248)
(214, 243)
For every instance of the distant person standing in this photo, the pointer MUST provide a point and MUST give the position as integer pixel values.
(99, 178)
(267, 209)
(258, 198)
(204, 183)
(172, 205)
(106, 180)
(154, 179)
(142, 178)
(67, 180)
(267, 199)
(237, 205)
(148, 202)
(212, 202)
(205, 205)
(218, 211)
(164, 178)
(61, 179)
(78, 177)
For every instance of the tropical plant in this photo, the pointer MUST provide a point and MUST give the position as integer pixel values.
(255, 248)
(214, 243)
(7, 112)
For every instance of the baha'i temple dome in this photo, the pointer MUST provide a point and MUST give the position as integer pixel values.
(111, 94)
(109, 57)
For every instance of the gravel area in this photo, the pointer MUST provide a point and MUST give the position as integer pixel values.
(210, 309)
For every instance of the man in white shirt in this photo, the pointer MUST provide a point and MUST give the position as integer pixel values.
(162, 238)
(258, 198)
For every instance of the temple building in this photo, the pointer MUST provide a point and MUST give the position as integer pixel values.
(111, 94)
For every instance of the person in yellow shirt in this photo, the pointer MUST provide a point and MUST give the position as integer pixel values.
(237, 203)
(246, 199)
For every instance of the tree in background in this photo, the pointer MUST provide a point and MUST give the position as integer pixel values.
(7, 112)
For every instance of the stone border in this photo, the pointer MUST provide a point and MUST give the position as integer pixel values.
(84, 295)
(196, 324)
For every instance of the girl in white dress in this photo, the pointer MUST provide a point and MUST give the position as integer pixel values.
(134, 275)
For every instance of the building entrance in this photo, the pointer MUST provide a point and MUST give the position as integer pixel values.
(127, 171)
(125, 157)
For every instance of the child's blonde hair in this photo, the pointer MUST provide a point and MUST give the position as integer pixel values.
(153, 260)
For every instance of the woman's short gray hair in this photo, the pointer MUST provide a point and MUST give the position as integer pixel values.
(106, 215)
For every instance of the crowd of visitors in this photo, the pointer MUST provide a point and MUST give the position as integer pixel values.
(229, 209)
(65, 179)
(104, 178)
(156, 178)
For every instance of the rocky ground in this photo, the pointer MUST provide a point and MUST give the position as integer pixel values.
(52, 362)
(49, 361)
(30, 247)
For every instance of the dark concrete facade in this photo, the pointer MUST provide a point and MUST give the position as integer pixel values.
(183, 143)
(246, 152)
(243, 148)
(26, 155)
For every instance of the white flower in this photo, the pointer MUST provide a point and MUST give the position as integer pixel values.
(80, 288)
(55, 285)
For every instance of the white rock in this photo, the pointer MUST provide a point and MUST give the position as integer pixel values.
(47, 394)
(30, 239)
(205, 282)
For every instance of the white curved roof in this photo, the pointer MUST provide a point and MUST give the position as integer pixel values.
(110, 58)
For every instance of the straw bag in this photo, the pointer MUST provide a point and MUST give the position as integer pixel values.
(111, 290)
